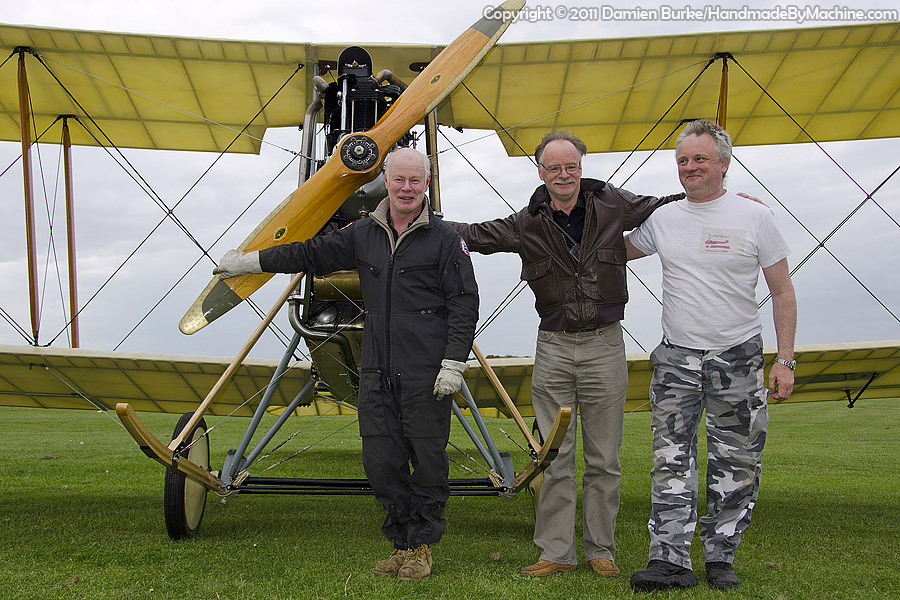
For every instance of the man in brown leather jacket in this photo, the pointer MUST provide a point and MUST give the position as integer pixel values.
(570, 240)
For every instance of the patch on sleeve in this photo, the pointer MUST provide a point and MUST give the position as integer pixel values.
(463, 247)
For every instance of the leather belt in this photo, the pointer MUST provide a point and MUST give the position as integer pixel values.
(600, 326)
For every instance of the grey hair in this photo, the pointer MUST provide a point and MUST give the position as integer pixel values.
(426, 163)
(560, 134)
(707, 127)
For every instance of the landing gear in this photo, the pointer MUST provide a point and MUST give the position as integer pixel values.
(534, 486)
(184, 500)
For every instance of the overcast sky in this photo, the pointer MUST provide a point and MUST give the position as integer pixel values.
(113, 215)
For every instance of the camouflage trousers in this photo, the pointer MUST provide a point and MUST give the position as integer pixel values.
(729, 385)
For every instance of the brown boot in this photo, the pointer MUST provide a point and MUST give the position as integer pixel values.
(417, 564)
(544, 567)
(389, 566)
(604, 566)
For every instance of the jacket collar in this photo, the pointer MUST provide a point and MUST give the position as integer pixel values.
(542, 196)
(380, 214)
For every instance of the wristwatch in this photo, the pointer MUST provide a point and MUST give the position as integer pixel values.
(790, 364)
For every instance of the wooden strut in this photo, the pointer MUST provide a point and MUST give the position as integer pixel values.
(28, 188)
(156, 450)
(548, 451)
(70, 234)
(507, 401)
(723, 94)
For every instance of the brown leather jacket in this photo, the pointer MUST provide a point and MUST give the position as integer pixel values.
(570, 295)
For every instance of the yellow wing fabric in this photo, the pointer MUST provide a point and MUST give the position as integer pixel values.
(824, 372)
(63, 378)
(195, 94)
(170, 93)
(86, 379)
(840, 83)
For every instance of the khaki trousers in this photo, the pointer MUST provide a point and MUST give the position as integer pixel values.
(587, 372)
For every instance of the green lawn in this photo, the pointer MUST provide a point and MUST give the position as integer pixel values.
(82, 517)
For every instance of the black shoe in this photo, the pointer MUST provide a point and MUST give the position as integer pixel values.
(720, 575)
(662, 575)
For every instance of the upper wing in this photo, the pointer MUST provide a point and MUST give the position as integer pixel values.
(170, 93)
(177, 93)
(839, 83)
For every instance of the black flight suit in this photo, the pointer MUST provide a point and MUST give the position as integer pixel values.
(421, 303)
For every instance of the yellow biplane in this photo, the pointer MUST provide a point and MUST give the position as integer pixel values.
(353, 104)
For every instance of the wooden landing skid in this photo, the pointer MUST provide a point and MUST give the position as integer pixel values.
(548, 451)
(155, 449)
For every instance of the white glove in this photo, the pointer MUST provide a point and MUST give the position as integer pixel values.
(236, 263)
(450, 379)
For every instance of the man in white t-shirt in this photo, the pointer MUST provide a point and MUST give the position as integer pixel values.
(712, 247)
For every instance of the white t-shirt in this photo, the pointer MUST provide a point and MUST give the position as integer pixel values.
(711, 254)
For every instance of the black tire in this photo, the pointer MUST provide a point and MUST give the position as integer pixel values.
(534, 486)
(184, 500)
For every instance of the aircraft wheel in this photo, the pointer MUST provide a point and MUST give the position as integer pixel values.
(184, 500)
(534, 486)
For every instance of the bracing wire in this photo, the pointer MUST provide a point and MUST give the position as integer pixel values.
(820, 243)
(816, 142)
(169, 212)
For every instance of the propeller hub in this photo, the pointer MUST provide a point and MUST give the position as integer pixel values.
(359, 152)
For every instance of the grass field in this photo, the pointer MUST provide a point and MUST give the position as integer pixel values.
(82, 517)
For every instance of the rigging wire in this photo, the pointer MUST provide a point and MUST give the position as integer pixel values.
(512, 295)
(554, 113)
(649, 155)
(79, 393)
(134, 174)
(172, 107)
(816, 142)
(31, 341)
(15, 325)
(279, 333)
(820, 243)
(655, 125)
(51, 239)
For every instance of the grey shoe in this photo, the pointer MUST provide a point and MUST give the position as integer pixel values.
(662, 575)
(720, 575)
(391, 565)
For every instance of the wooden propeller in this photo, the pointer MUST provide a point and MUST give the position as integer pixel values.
(357, 161)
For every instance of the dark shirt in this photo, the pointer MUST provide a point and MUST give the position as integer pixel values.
(572, 223)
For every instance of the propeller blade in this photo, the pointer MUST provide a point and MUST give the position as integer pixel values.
(357, 161)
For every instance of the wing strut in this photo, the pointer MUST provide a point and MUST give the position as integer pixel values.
(70, 233)
(501, 391)
(723, 91)
(852, 401)
(25, 124)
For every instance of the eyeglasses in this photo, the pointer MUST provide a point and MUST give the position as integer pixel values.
(571, 168)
